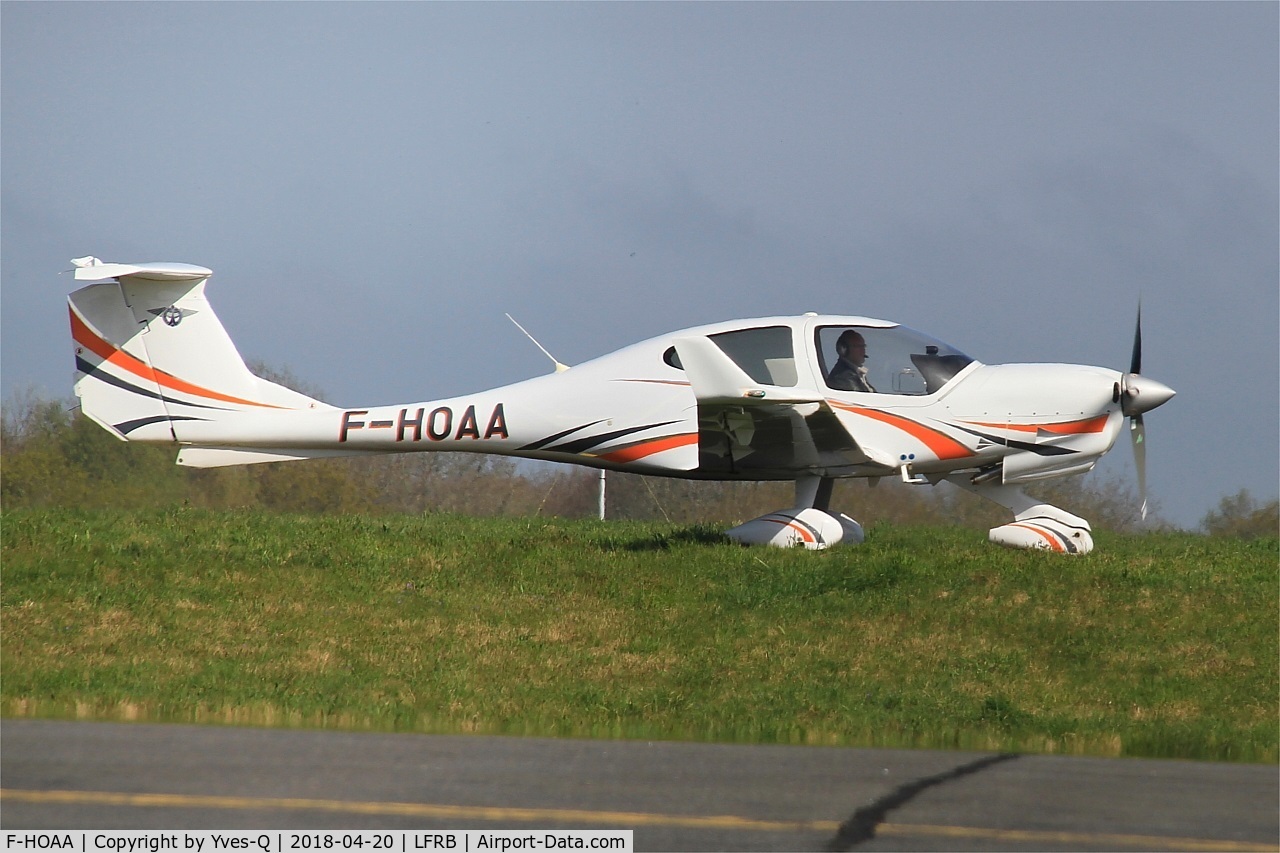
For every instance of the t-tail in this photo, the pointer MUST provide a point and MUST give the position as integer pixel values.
(151, 354)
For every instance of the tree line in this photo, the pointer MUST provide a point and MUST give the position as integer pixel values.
(53, 456)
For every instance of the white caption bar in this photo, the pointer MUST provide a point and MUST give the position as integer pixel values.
(275, 841)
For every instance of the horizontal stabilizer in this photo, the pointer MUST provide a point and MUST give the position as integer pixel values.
(92, 269)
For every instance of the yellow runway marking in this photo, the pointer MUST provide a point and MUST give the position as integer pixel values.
(1108, 840)
(628, 820)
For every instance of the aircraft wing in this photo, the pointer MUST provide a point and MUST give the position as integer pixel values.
(754, 428)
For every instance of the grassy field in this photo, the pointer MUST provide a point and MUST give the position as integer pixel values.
(1162, 645)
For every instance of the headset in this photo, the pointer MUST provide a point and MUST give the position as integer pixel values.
(845, 340)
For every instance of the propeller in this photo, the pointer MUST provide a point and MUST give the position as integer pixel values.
(1139, 394)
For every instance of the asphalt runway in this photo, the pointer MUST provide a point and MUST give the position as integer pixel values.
(675, 796)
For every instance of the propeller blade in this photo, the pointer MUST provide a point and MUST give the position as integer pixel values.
(1135, 361)
(1138, 435)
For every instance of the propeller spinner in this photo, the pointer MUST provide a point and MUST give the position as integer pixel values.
(1139, 394)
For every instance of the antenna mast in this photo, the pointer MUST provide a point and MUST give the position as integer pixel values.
(560, 368)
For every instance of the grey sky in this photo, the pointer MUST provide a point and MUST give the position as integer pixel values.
(374, 184)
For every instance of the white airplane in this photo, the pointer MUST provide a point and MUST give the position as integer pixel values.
(810, 398)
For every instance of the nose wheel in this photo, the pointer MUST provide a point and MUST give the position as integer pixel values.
(1035, 525)
(1045, 532)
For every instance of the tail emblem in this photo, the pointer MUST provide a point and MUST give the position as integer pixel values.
(172, 315)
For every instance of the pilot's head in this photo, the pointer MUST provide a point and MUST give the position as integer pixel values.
(851, 347)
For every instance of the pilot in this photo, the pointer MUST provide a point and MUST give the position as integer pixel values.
(849, 374)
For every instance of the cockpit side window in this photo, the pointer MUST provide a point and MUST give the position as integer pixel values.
(894, 360)
(765, 354)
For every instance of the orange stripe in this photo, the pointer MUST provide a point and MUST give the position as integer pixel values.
(86, 337)
(942, 445)
(1085, 425)
(804, 533)
(1053, 542)
(1097, 424)
(648, 448)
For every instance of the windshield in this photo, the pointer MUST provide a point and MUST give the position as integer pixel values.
(896, 360)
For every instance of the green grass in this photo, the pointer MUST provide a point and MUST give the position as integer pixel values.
(1161, 645)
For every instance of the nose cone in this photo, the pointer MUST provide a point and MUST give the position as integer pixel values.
(1142, 394)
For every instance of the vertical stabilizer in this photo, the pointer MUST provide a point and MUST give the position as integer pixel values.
(151, 352)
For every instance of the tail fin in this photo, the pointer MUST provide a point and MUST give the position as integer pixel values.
(151, 352)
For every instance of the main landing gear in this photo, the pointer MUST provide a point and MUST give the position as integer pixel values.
(809, 524)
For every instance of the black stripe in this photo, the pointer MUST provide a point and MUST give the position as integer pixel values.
(1062, 540)
(102, 376)
(126, 427)
(1044, 522)
(98, 373)
(1042, 449)
(817, 537)
(541, 443)
(584, 444)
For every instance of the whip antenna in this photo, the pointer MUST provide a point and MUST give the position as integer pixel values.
(560, 368)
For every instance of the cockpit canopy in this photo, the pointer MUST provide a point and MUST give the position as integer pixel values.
(896, 360)
(869, 357)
